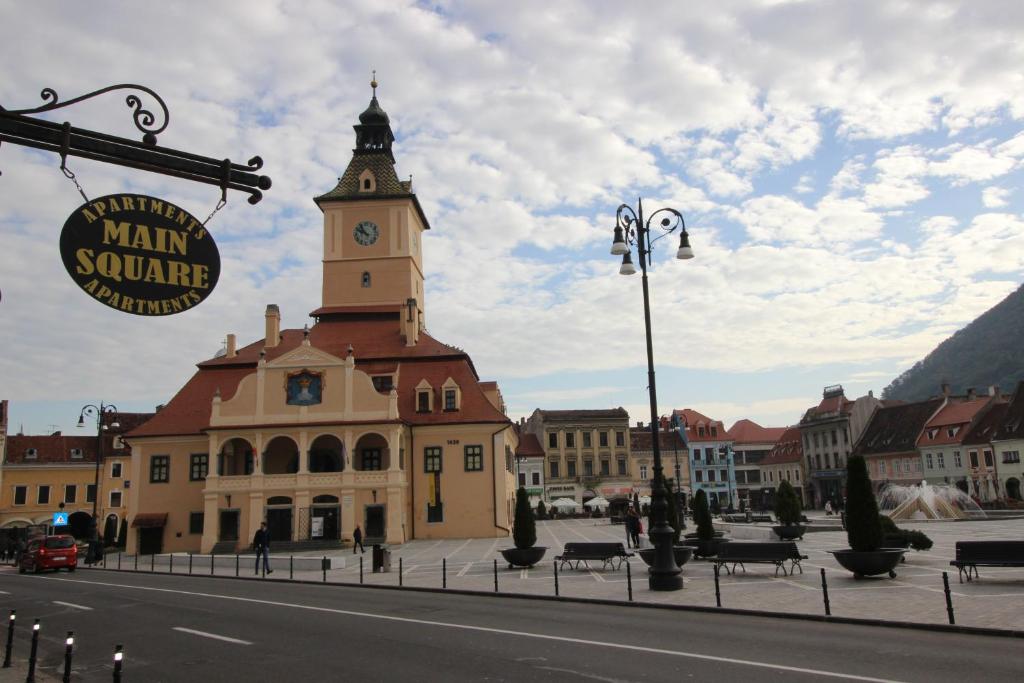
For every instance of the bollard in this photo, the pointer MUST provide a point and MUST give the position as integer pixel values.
(555, 565)
(291, 567)
(400, 572)
(10, 638)
(824, 593)
(212, 564)
(190, 564)
(136, 560)
(444, 572)
(152, 563)
(629, 582)
(323, 566)
(949, 597)
(118, 560)
(236, 565)
(104, 559)
(118, 663)
(69, 645)
(718, 593)
(31, 677)
(495, 575)
(360, 570)
(170, 563)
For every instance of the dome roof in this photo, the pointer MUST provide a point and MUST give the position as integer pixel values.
(374, 114)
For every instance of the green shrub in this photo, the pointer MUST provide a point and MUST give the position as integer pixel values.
(524, 532)
(702, 516)
(888, 526)
(787, 505)
(541, 512)
(863, 525)
(919, 540)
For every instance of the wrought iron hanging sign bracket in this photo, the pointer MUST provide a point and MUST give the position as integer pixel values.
(17, 127)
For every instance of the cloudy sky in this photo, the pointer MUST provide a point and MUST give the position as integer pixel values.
(850, 174)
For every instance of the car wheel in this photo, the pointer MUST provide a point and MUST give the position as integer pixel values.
(36, 568)
(21, 569)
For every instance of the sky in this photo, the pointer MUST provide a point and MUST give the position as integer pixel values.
(849, 173)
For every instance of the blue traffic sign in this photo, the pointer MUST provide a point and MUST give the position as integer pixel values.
(60, 519)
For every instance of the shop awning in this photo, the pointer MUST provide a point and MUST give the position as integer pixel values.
(148, 520)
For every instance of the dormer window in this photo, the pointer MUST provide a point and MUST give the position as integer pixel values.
(383, 383)
(76, 453)
(932, 433)
(452, 395)
(700, 431)
(366, 278)
(31, 454)
(952, 431)
(424, 397)
(367, 181)
(714, 431)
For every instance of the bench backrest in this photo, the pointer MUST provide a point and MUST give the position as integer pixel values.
(594, 548)
(989, 551)
(768, 550)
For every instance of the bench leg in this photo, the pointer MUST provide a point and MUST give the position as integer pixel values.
(742, 565)
(782, 566)
(796, 565)
(960, 572)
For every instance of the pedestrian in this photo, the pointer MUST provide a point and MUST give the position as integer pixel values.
(628, 522)
(357, 540)
(261, 544)
(828, 508)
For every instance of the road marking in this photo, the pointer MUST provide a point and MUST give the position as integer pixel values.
(457, 550)
(486, 629)
(4, 593)
(204, 634)
(71, 604)
(462, 572)
(490, 551)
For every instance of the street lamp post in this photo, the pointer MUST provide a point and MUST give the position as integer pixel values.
(98, 412)
(680, 508)
(631, 229)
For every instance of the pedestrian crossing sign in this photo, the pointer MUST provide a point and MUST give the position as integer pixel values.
(60, 519)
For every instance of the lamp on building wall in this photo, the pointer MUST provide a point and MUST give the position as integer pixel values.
(632, 230)
(98, 412)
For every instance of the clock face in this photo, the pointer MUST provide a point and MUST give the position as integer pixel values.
(366, 232)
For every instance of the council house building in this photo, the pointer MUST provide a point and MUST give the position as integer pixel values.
(360, 419)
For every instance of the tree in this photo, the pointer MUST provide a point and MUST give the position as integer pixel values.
(524, 532)
(787, 505)
(671, 514)
(716, 508)
(702, 516)
(863, 527)
(541, 511)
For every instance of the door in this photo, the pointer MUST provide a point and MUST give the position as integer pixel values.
(151, 540)
(279, 524)
(229, 525)
(375, 525)
(328, 525)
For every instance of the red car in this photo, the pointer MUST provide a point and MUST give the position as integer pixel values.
(49, 552)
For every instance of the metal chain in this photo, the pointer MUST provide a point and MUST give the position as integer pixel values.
(220, 205)
(71, 176)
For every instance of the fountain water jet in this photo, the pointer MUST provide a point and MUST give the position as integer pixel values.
(927, 501)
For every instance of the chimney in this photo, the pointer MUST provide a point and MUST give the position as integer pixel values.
(273, 335)
(971, 394)
(993, 390)
(232, 350)
(871, 393)
(945, 389)
(410, 325)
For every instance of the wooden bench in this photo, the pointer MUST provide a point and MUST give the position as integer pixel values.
(774, 552)
(970, 554)
(608, 553)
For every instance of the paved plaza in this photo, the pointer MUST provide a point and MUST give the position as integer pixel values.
(916, 595)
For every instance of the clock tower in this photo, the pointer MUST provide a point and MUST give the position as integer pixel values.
(373, 224)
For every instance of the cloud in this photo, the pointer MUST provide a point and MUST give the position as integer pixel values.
(995, 197)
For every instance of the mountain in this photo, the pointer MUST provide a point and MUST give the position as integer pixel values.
(988, 351)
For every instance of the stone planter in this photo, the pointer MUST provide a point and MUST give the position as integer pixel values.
(682, 553)
(869, 563)
(896, 541)
(523, 557)
(705, 548)
(789, 533)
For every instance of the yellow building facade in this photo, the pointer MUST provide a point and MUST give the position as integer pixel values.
(362, 419)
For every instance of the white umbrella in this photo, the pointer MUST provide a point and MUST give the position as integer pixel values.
(565, 503)
(597, 503)
(644, 500)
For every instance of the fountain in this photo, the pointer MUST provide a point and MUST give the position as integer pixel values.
(928, 501)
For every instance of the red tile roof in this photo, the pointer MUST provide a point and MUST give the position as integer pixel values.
(1013, 423)
(692, 420)
(585, 414)
(954, 415)
(50, 449)
(747, 431)
(985, 428)
(529, 446)
(788, 449)
(896, 429)
(377, 346)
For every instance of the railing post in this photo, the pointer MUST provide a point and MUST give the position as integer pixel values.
(949, 597)
(136, 559)
(152, 563)
(444, 572)
(629, 581)
(236, 565)
(170, 563)
(213, 562)
(118, 662)
(495, 575)
(360, 570)
(190, 564)
(323, 567)
(555, 565)
(824, 593)
(118, 560)
(10, 638)
(69, 645)
(31, 677)
(718, 593)
(291, 567)
(400, 572)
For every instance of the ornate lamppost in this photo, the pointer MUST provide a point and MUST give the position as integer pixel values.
(97, 412)
(674, 430)
(631, 229)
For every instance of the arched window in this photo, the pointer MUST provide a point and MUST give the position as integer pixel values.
(366, 279)
(367, 183)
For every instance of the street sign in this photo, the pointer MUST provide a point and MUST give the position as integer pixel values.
(60, 519)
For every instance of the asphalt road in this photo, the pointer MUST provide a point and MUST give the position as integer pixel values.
(179, 628)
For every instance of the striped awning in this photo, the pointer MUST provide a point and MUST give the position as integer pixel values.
(148, 520)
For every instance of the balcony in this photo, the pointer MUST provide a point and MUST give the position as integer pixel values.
(315, 480)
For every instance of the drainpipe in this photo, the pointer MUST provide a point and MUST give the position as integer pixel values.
(494, 485)
(412, 481)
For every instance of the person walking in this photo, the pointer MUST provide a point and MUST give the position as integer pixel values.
(357, 540)
(261, 544)
(628, 522)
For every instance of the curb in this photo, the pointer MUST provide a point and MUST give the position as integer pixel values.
(821, 618)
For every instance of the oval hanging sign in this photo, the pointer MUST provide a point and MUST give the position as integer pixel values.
(140, 254)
